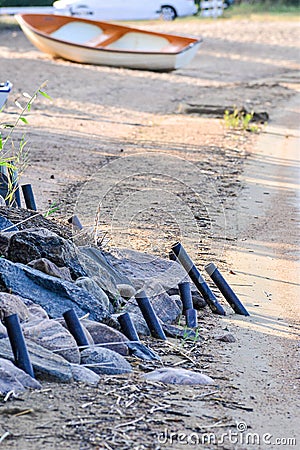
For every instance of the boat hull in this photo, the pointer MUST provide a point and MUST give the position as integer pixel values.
(155, 61)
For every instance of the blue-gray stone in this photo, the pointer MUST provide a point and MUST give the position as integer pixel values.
(104, 361)
(7, 225)
(46, 364)
(55, 295)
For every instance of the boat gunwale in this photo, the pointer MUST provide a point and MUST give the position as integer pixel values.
(197, 40)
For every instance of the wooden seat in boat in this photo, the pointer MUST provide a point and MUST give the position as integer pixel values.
(77, 32)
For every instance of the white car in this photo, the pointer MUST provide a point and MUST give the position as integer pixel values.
(126, 10)
(170, 9)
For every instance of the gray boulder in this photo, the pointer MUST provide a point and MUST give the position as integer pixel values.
(104, 361)
(55, 295)
(171, 375)
(34, 243)
(13, 378)
(35, 310)
(90, 285)
(5, 224)
(84, 375)
(101, 276)
(9, 383)
(13, 304)
(48, 267)
(143, 269)
(51, 335)
(46, 364)
(107, 336)
(126, 290)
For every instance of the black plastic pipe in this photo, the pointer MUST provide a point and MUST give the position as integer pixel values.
(197, 279)
(75, 328)
(128, 327)
(18, 344)
(225, 289)
(191, 318)
(185, 295)
(172, 256)
(74, 220)
(150, 316)
(29, 197)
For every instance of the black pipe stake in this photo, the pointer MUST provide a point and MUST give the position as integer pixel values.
(18, 344)
(191, 318)
(150, 316)
(185, 295)
(197, 279)
(172, 256)
(75, 328)
(29, 197)
(225, 289)
(128, 327)
(74, 220)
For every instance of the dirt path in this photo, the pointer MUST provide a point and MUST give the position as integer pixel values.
(265, 260)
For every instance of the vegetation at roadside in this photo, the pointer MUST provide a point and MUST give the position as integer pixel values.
(262, 7)
(238, 120)
(14, 156)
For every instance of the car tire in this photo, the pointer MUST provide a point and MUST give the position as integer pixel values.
(168, 12)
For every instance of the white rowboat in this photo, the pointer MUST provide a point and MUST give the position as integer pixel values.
(103, 43)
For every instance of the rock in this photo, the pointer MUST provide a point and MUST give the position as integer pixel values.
(170, 375)
(14, 379)
(142, 268)
(5, 224)
(34, 243)
(101, 259)
(126, 290)
(101, 276)
(46, 364)
(176, 333)
(51, 335)
(226, 338)
(110, 338)
(198, 300)
(48, 267)
(90, 285)
(84, 375)
(177, 300)
(3, 332)
(9, 383)
(35, 311)
(55, 295)
(12, 304)
(104, 361)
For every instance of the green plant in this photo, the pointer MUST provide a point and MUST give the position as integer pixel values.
(240, 120)
(53, 208)
(14, 158)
